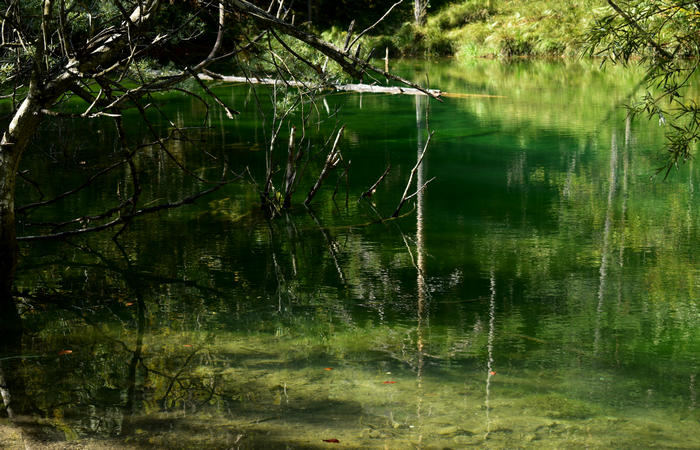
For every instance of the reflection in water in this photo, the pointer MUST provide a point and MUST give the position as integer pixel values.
(330, 245)
(693, 394)
(422, 289)
(12, 385)
(612, 180)
(9, 362)
(625, 186)
(213, 327)
(691, 192)
(489, 349)
(133, 389)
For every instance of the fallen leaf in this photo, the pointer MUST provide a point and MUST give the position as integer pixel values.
(328, 368)
(334, 441)
(493, 372)
(389, 382)
(65, 352)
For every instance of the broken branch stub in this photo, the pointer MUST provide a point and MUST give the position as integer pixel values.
(405, 195)
(370, 192)
(291, 172)
(332, 161)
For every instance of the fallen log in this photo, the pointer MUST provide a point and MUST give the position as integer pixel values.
(353, 87)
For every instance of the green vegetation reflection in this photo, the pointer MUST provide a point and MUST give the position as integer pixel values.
(543, 292)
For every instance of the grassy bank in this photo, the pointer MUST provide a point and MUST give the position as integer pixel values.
(505, 29)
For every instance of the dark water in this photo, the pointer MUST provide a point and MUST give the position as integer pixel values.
(542, 291)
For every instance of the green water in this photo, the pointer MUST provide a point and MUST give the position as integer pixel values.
(541, 292)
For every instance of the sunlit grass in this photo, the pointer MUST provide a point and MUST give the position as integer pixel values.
(503, 29)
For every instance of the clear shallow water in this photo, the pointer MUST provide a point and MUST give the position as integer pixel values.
(543, 290)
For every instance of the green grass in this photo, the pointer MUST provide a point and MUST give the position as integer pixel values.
(504, 29)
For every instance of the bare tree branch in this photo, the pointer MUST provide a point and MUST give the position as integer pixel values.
(332, 161)
(122, 219)
(371, 27)
(370, 192)
(405, 195)
(75, 190)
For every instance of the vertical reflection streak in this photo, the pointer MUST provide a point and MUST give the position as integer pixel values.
(489, 368)
(691, 191)
(420, 257)
(6, 395)
(625, 183)
(612, 179)
(623, 217)
(693, 394)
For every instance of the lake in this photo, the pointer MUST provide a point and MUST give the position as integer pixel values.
(542, 291)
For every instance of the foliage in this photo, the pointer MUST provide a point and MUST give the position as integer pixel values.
(504, 29)
(461, 14)
(663, 36)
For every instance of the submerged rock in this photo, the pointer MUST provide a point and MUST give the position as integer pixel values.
(453, 430)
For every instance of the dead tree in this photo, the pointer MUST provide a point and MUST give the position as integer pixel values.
(49, 60)
(420, 7)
